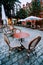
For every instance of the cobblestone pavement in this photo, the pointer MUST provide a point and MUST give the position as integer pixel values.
(21, 58)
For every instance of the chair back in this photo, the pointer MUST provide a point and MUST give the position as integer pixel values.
(16, 30)
(6, 40)
(34, 42)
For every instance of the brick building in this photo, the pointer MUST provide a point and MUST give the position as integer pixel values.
(41, 13)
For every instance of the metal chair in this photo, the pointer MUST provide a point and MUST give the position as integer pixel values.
(7, 31)
(34, 43)
(12, 44)
(16, 30)
(30, 47)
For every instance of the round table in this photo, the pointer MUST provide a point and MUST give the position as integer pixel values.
(21, 35)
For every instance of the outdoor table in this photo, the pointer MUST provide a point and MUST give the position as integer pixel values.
(21, 35)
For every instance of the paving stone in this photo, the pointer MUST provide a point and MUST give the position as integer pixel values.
(2, 56)
(20, 58)
(4, 60)
(41, 57)
(9, 62)
(14, 59)
(0, 62)
(39, 60)
(36, 62)
(16, 63)
(27, 63)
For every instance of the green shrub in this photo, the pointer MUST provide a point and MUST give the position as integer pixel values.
(28, 23)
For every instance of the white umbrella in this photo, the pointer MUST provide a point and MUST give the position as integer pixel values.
(21, 20)
(3, 15)
(33, 18)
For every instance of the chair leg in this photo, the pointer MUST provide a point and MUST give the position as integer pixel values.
(19, 49)
(9, 53)
(28, 53)
(34, 52)
(10, 49)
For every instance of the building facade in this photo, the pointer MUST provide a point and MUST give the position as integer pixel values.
(27, 7)
(17, 7)
(41, 13)
(41, 2)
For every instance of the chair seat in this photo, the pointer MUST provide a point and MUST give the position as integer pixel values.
(26, 43)
(8, 32)
(15, 43)
(17, 31)
(31, 47)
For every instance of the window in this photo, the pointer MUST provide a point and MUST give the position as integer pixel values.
(42, 0)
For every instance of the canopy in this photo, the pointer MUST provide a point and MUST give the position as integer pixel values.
(3, 13)
(30, 19)
(21, 20)
(4, 18)
(33, 18)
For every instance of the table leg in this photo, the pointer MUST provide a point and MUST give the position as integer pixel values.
(22, 39)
